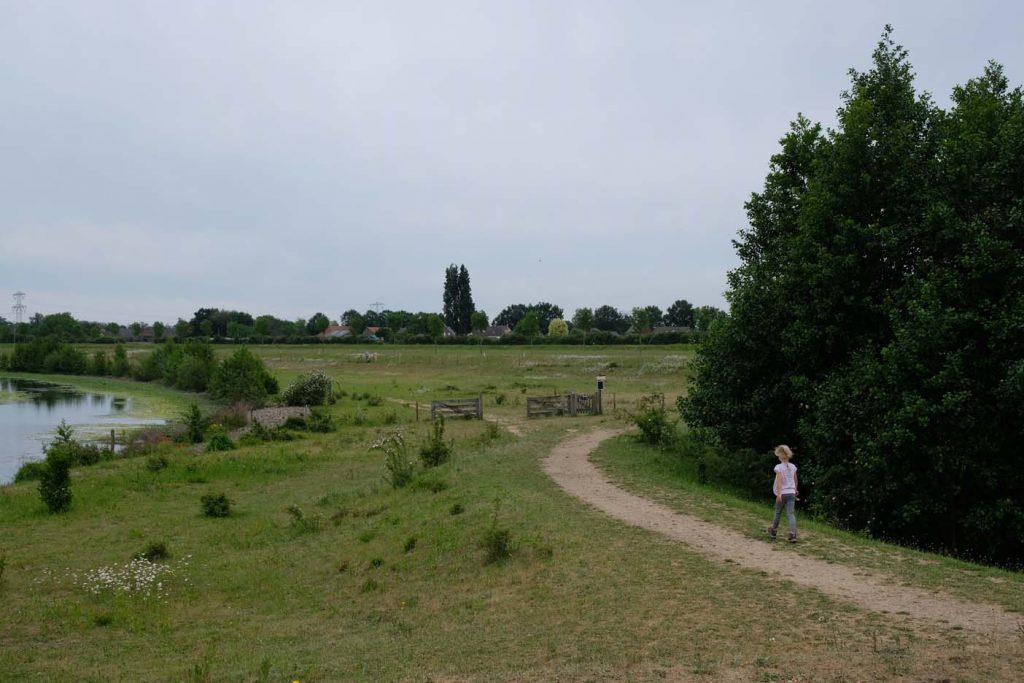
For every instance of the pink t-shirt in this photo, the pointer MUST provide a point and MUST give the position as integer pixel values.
(788, 472)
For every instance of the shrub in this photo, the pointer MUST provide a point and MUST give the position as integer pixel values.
(295, 422)
(234, 417)
(66, 360)
(396, 459)
(195, 423)
(410, 544)
(216, 505)
(497, 541)
(456, 509)
(55, 482)
(243, 377)
(99, 366)
(30, 471)
(320, 421)
(153, 552)
(303, 524)
(219, 441)
(374, 401)
(652, 419)
(120, 367)
(155, 463)
(310, 389)
(434, 450)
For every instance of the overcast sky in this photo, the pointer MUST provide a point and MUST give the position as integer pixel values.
(294, 157)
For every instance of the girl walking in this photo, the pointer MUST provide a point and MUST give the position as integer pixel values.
(785, 490)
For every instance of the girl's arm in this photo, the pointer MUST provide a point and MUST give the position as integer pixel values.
(777, 487)
(796, 484)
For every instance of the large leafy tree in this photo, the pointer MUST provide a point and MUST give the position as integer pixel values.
(877, 317)
(610, 319)
(679, 314)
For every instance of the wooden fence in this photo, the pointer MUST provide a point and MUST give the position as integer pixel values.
(571, 404)
(462, 407)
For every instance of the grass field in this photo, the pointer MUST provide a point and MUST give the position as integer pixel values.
(369, 583)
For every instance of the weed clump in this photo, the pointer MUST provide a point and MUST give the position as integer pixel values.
(303, 524)
(396, 458)
(153, 552)
(497, 541)
(155, 463)
(434, 450)
(216, 505)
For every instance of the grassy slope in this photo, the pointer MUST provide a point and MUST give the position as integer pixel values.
(583, 597)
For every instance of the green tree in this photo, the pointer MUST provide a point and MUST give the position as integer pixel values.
(318, 323)
(641, 318)
(609, 319)
(479, 321)
(435, 325)
(529, 325)
(458, 299)
(242, 377)
(120, 367)
(558, 328)
(158, 330)
(680, 314)
(875, 319)
(354, 320)
(583, 320)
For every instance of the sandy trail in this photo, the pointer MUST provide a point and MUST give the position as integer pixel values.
(569, 466)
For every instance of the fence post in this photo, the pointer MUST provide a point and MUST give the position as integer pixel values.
(572, 404)
(112, 443)
(417, 411)
(480, 406)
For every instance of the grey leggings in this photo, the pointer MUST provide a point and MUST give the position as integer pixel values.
(789, 501)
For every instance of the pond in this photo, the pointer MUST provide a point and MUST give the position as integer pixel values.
(30, 412)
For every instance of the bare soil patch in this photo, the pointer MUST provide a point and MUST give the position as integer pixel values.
(569, 466)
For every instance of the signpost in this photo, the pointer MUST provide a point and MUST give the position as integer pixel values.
(600, 388)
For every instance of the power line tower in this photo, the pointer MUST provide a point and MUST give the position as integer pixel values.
(19, 312)
(377, 306)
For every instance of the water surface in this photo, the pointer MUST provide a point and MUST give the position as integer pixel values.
(30, 412)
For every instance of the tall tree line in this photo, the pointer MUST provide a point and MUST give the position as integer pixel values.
(877, 316)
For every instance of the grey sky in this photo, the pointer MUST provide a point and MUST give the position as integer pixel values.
(294, 157)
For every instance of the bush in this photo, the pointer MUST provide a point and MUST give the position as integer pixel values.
(55, 480)
(396, 459)
(195, 423)
(310, 389)
(155, 463)
(320, 421)
(66, 360)
(435, 451)
(652, 419)
(219, 441)
(30, 471)
(153, 552)
(243, 377)
(120, 367)
(216, 505)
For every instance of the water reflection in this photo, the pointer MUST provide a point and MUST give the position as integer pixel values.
(30, 411)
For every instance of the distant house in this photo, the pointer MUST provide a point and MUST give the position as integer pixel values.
(669, 329)
(371, 333)
(335, 332)
(494, 332)
(448, 332)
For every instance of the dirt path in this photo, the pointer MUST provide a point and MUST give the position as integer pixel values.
(569, 466)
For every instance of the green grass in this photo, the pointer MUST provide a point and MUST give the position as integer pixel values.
(670, 478)
(346, 596)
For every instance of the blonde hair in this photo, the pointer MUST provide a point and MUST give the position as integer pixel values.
(784, 450)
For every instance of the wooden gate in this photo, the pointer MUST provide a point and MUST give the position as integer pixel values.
(571, 404)
(462, 407)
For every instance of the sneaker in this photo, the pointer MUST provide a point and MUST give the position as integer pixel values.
(792, 538)
(772, 532)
